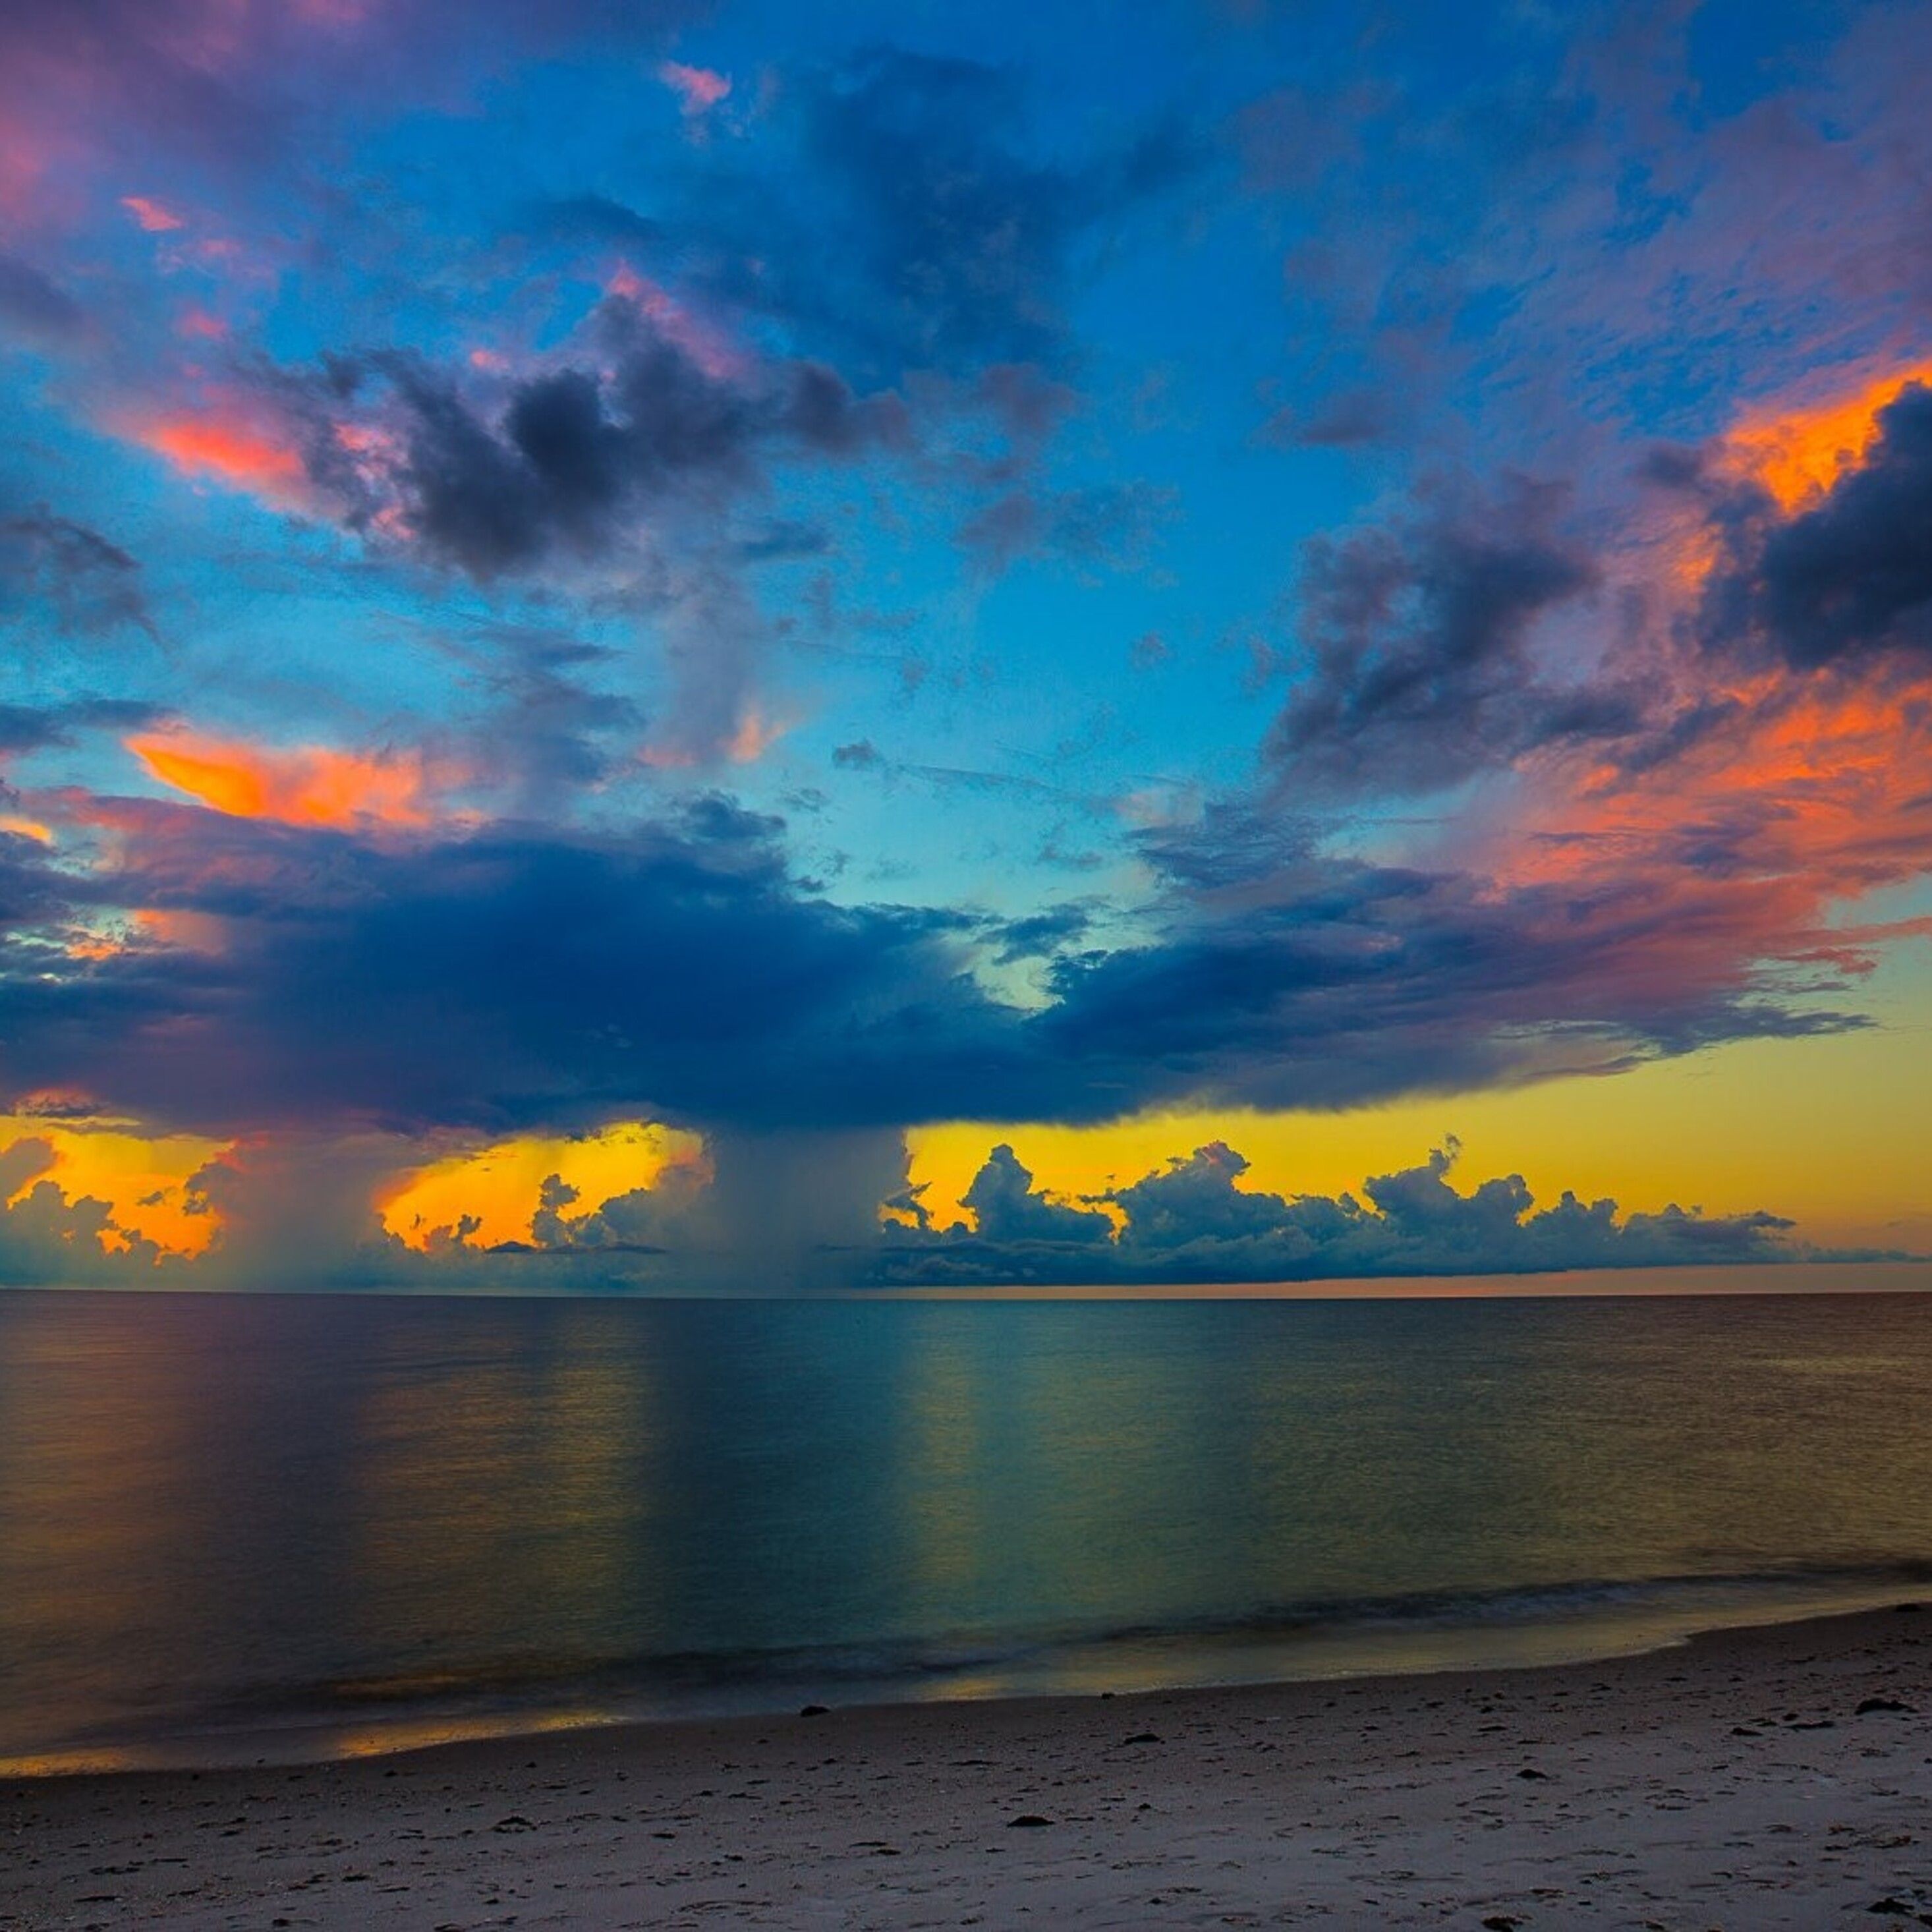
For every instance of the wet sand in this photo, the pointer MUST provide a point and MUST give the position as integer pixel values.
(1753, 1779)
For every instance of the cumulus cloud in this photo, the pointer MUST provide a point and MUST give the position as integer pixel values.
(645, 419)
(45, 1238)
(1005, 1207)
(1851, 577)
(1191, 1221)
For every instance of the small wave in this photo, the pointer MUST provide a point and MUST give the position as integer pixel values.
(1314, 1637)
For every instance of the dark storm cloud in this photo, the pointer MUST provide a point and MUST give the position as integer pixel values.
(1853, 577)
(1417, 637)
(512, 976)
(501, 978)
(1287, 982)
(1191, 1222)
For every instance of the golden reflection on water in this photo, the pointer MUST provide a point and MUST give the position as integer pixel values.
(102, 1433)
(509, 1487)
(942, 1506)
(364, 1525)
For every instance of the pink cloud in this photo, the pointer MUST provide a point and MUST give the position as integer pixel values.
(235, 447)
(698, 89)
(155, 217)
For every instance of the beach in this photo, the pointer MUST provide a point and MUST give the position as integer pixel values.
(1767, 1778)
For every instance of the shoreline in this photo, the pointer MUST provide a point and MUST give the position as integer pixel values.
(1778, 1773)
(1578, 1624)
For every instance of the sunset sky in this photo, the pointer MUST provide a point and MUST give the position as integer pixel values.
(735, 644)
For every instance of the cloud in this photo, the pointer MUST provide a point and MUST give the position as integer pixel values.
(610, 471)
(1417, 635)
(502, 978)
(47, 1238)
(1193, 1221)
(231, 449)
(645, 420)
(35, 309)
(1006, 1209)
(698, 89)
(922, 225)
(228, 85)
(1286, 980)
(311, 784)
(1597, 221)
(31, 727)
(91, 586)
(548, 737)
(1850, 576)
(1111, 527)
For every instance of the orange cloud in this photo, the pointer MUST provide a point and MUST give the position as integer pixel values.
(145, 1181)
(1797, 451)
(752, 737)
(491, 1194)
(313, 784)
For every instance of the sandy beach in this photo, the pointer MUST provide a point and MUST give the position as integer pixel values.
(1777, 1777)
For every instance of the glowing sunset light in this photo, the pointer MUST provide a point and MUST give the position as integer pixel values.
(492, 1194)
(233, 453)
(308, 785)
(1799, 452)
(823, 583)
(144, 1181)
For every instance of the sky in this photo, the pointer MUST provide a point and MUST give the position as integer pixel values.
(730, 645)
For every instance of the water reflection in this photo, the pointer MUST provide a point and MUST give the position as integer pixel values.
(394, 1518)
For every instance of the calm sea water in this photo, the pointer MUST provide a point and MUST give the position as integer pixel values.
(251, 1525)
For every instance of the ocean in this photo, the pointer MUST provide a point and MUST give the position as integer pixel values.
(260, 1526)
